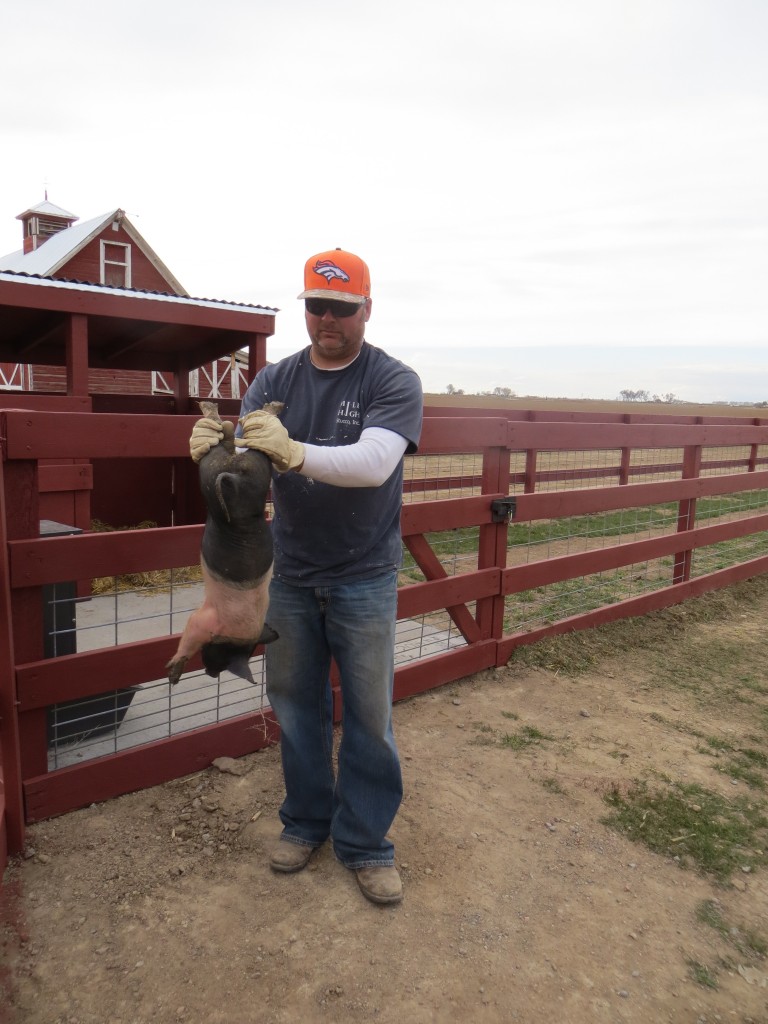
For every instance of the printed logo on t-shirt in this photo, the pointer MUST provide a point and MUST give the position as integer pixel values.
(349, 413)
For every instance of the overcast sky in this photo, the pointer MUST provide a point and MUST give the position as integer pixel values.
(562, 197)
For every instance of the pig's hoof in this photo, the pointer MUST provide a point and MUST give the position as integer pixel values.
(268, 635)
(175, 668)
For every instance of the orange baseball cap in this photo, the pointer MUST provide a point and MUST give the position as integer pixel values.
(336, 275)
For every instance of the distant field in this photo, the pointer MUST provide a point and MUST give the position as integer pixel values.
(586, 405)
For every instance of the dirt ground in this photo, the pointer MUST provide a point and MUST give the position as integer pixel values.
(520, 903)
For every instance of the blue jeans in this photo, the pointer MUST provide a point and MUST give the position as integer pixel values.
(355, 624)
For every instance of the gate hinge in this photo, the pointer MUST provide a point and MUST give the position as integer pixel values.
(503, 509)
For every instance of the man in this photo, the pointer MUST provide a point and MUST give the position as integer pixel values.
(351, 412)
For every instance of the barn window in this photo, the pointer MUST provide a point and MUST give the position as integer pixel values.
(116, 264)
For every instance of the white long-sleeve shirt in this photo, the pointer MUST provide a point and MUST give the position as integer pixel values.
(367, 463)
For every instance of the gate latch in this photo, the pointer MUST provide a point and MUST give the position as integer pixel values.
(503, 509)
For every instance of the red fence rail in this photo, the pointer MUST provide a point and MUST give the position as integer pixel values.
(467, 580)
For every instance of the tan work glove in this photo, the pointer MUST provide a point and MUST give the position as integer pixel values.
(265, 432)
(205, 434)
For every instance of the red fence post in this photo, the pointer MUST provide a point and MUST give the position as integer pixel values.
(531, 459)
(753, 452)
(626, 456)
(492, 546)
(686, 513)
(12, 805)
(23, 521)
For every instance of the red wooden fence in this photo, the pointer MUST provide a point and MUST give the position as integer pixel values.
(554, 472)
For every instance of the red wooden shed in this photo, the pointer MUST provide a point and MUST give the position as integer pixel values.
(87, 330)
(110, 251)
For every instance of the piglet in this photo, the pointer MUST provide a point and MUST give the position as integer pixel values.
(236, 559)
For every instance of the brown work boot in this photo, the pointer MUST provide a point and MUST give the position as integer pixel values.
(289, 857)
(380, 884)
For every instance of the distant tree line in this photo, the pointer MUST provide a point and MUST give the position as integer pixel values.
(627, 395)
(497, 392)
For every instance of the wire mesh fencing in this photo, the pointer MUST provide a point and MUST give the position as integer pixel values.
(730, 508)
(121, 613)
(117, 720)
(542, 606)
(450, 475)
(594, 468)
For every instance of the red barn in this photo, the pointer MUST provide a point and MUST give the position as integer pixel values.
(110, 329)
(106, 250)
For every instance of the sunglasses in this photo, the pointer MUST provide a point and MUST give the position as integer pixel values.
(337, 309)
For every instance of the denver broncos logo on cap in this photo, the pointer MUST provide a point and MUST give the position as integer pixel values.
(329, 270)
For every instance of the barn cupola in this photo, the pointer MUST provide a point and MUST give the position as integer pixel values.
(42, 221)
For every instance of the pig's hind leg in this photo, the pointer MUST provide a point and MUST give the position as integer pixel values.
(175, 668)
(198, 631)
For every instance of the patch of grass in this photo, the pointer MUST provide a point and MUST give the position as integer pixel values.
(527, 736)
(708, 912)
(510, 714)
(752, 942)
(717, 744)
(705, 750)
(755, 685)
(738, 770)
(745, 763)
(707, 666)
(552, 785)
(745, 940)
(689, 822)
(733, 692)
(580, 651)
(514, 741)
(534, 734)
(702, 974)
(486, 735)
(756, 757)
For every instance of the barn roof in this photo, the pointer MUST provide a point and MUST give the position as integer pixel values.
(59, 249)
(127, 328)
(106, 289)
(49, 209)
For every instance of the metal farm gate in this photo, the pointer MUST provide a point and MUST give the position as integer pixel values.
(515, 527)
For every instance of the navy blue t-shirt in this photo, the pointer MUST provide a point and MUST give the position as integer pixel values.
(323, 533)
